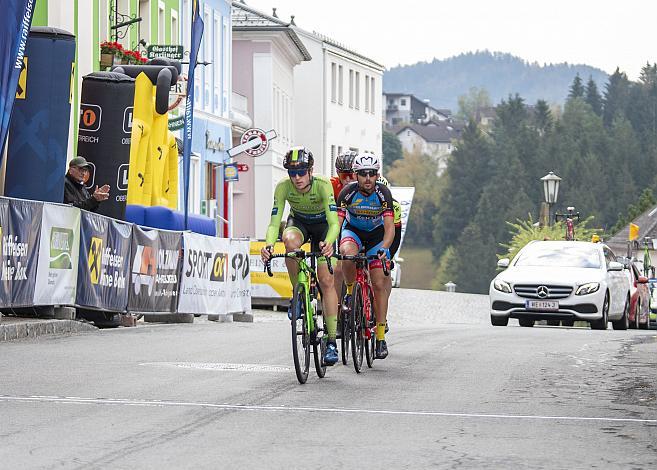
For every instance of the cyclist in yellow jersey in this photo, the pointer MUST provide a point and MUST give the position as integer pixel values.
(313, 217)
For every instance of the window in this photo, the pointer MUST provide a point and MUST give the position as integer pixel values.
(332, 159)
(373, 94)
(225, 67)
(160, 23)
(174, 27)
(333, 82)
(357, 104)
(367, 93)
(351, 88)
(208, 35)
(195, 184)
(341, 85)
(216, 70)
(186, 15)
(103, 22)
(403, 101)
(145, 25)
(123, 7)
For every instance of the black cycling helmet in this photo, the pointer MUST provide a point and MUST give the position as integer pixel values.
(298, 158)
(344, 162)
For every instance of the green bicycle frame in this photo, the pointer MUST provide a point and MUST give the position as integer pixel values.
(304, 279)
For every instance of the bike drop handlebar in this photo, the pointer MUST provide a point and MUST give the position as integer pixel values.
(363, 258)
(298, 254)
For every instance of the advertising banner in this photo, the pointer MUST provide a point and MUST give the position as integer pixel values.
(59, 248)
(38, 134)
(204, 280)
(155, 265)
(404, 195)
(20, 250)
(5, 282)
(15, 24)
(263, 286)
(104, 267)
(105, 128)
(239, 299)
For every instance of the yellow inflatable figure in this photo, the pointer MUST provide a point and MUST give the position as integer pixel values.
(153, 172)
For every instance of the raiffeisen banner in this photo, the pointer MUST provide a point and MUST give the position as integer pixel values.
(15, 24)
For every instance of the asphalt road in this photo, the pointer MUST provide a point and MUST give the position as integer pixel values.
(454, 393)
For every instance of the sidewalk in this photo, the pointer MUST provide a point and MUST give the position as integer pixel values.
(14, 328)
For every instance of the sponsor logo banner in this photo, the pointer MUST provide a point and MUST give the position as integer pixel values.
(103, 270)
(263, 286)
(59, 247)
(215, 275)
(20, 249)
(154, 269)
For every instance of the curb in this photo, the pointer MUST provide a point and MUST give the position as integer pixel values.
(34, 329)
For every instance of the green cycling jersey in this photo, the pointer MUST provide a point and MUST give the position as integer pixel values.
(317, 205)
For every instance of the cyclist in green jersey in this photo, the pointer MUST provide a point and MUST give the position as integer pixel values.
(313, 217)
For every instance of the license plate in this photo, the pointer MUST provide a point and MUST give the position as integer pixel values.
(545, 305)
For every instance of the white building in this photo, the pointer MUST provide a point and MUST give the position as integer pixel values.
(337, 101)
(265, 52)
(406, 108)
(435, 139)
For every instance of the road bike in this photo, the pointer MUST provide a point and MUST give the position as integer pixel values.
(307, 322)
(360, 313)
(569, 218)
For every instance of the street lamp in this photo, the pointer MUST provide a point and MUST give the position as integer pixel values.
(550, 193)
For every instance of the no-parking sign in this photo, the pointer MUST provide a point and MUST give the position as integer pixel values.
(254, 142)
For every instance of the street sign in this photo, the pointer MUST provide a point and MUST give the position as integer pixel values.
(167, 51)
(242, 167)
(231, 172)
(176, 123)
(254, 142)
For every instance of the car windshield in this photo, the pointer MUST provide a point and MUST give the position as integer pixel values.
(548, 254)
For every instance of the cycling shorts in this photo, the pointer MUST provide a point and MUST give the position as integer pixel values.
(371, 241)
(314, 233)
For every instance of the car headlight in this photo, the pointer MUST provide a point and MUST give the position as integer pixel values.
(589, 288)
(502, 286)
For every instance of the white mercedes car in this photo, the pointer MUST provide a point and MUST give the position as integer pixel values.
(561, 280)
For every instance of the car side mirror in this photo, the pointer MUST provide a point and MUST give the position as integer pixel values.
(642, 280)
(615, 266)
(503, 263)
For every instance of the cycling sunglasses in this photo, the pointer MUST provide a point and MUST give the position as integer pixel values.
(297, 172)
(345, 173)
(366, 173)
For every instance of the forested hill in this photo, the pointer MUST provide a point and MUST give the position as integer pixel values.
(442, 81)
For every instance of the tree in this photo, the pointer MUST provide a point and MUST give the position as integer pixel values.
(616, 96)
(419, 171)
(576, 89)
(593, 97)
(543, 119)
(471, 103)
(392, 150)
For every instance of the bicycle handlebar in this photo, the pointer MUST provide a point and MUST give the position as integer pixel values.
(363, 258)
(298, 254)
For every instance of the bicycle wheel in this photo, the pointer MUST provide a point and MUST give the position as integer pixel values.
(371, 326)
(357, 318)
(300, 336)
(319, 345)
(345, 325)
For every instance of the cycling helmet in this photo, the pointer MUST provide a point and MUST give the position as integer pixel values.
(298, 158)
(366, 161)
(383, 180)
(344, 162)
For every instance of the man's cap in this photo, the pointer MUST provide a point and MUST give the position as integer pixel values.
(79, 162)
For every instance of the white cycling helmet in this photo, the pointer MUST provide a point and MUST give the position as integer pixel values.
(383, 180)
(366, 161)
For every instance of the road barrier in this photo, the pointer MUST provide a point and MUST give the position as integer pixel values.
(55, 254)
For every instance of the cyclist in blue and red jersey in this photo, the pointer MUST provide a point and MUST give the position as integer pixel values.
(367, 208)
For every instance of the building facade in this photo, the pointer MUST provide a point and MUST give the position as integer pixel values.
(265, 52)
(338, 101)
(435, 139)
(405, 108)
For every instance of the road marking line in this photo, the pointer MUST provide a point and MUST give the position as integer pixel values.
(307, 409)
(221, 366)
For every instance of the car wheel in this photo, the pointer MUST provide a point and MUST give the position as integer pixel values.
(637, 314)
(499, 321)
(624, 322)
(553, 322)
(527, 322)
(601, 324)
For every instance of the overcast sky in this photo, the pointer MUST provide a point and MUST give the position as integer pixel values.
(601, 33)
